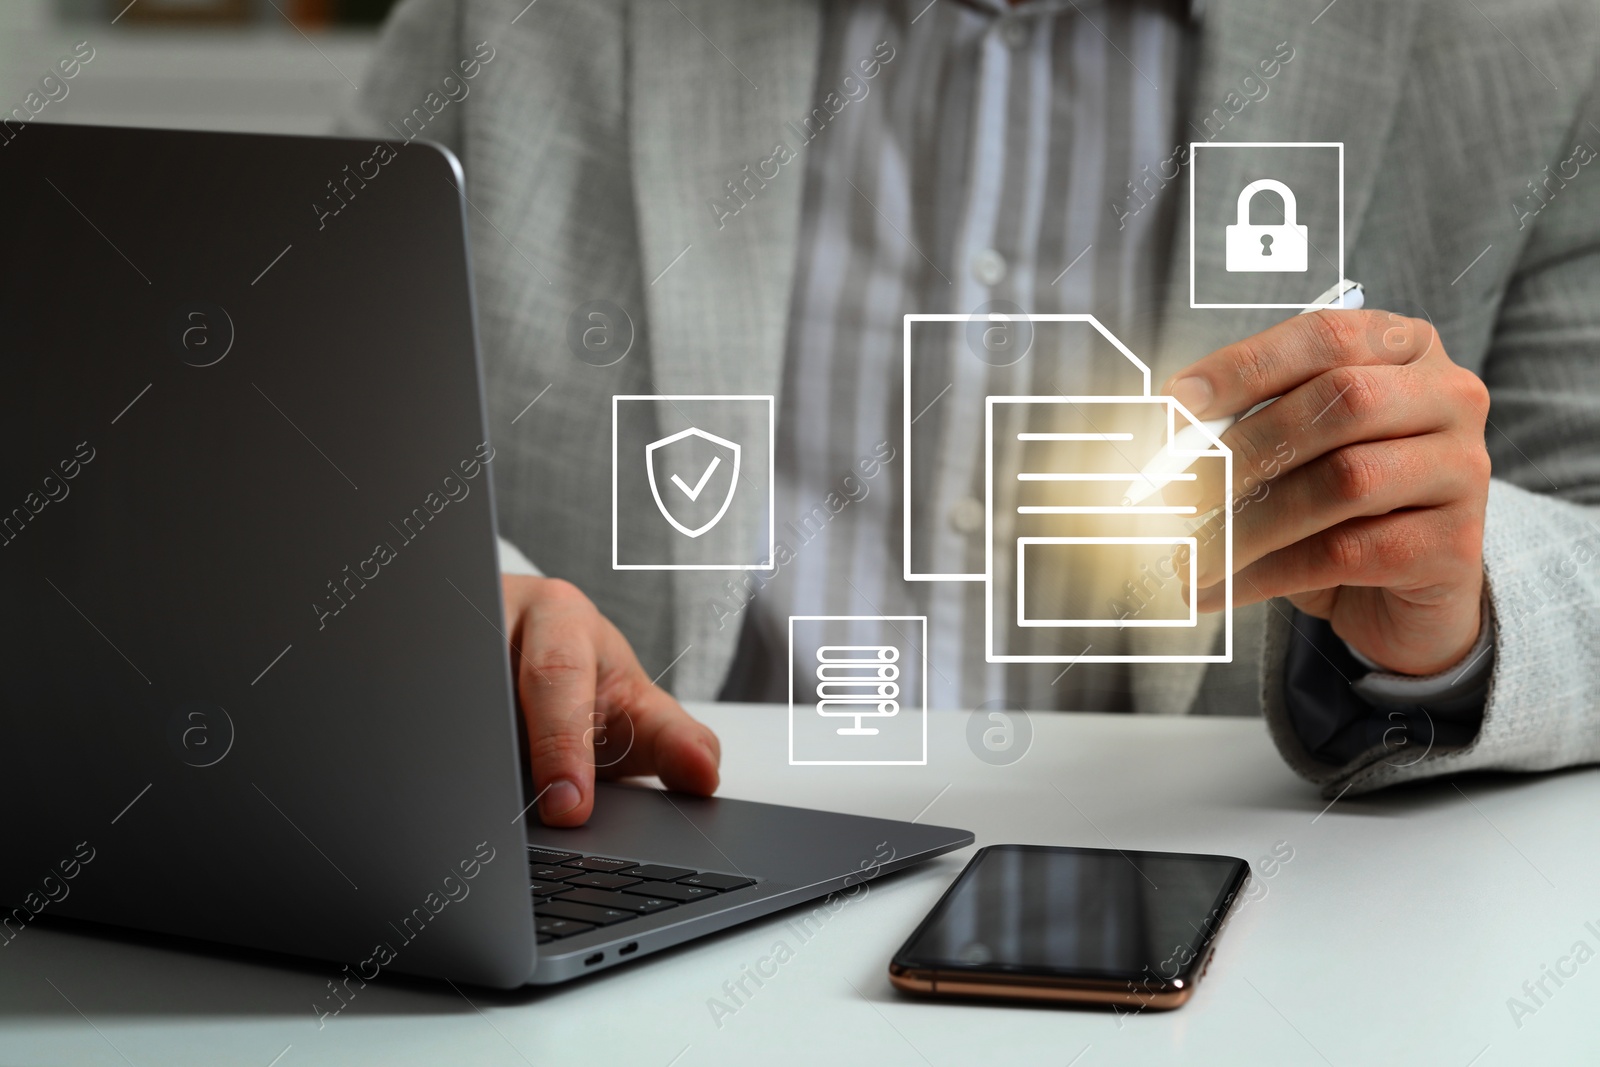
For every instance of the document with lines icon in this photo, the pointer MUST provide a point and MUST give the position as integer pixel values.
(1074, 572)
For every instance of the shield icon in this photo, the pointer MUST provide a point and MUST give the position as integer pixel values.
(690, 502)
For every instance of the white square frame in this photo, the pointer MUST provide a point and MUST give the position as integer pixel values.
(1195, 147)
(922, 652)
(771, 563)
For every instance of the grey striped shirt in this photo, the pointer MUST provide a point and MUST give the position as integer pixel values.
(980, 165)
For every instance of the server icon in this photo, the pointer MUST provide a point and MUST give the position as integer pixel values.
(858, 690)
(858, 682)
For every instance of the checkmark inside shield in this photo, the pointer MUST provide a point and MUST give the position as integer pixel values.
(694, 494)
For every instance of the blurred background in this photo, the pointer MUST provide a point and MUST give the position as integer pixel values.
(266, 66)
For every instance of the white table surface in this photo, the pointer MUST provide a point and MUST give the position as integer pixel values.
(1395, 934)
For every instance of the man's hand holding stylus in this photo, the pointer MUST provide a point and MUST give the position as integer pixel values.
(589, 707)
(1360, 494)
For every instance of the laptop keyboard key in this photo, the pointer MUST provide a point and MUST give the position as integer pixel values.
(544, 889)
(658, 872)
(720, 882)
(601, 863)
(645, 905)
(549, 855)
(604, 881)
(671, 891)
(546, 873)
(554, 926)
(583, 913)
(600, 898)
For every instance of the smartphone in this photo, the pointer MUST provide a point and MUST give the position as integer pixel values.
(1075, 925)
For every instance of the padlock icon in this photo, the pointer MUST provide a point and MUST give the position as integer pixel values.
(1277, 249)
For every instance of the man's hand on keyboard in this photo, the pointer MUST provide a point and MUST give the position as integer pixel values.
(590, 707)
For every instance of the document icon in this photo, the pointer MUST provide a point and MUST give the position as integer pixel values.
(1073, 569)
(950, 363)
(858, 689)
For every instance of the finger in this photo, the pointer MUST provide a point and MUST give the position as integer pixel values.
(1341, 407)
(667, 742)
(555, 663)
(1239, 376)
(1415, 553)
(653, 733)
(1369, 478)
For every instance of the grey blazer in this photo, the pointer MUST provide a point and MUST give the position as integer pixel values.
(598, 129)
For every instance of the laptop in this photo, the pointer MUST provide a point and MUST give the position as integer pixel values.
(258, 691)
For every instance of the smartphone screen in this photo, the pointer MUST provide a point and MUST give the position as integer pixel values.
(1092, 919)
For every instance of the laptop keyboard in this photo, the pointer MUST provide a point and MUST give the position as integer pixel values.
(574, 893)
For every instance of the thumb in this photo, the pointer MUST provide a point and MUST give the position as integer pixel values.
(556, 670)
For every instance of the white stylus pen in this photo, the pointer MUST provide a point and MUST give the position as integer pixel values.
(1167, 465)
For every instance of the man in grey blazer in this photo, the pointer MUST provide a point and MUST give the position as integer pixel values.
(1400, 612)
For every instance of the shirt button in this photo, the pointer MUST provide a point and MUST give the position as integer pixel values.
(989, 267)
(1014, 32)
(966, 515)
